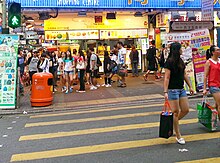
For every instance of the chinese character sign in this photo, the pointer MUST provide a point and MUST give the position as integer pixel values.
(200, 43)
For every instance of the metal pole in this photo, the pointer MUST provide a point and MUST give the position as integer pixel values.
(4, 14)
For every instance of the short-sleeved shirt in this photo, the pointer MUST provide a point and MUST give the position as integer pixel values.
(61, 64)
(93, 58)
(121, 53)
(68, 64)
(176, 74)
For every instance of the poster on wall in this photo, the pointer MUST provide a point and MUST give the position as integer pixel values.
(185, 40)
(8, 73)
(200, 43)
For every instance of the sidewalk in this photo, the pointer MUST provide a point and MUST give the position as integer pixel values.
(137, 89)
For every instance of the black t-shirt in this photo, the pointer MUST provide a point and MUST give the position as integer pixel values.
(176, 74)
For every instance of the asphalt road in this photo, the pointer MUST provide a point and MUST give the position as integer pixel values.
(127, 133)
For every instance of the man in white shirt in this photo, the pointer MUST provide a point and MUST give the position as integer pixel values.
(94, 69)
(121, 63)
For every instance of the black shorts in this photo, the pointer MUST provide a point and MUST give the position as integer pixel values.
(94, 74)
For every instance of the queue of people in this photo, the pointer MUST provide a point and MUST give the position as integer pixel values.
(69, 66)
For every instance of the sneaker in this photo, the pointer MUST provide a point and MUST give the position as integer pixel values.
(66, 92)
(93, 88)
(181, 141)
(145, 77)
(55, 90)
(98, 85)
(108, 85)
(63, 89)
(71, 90)
(103, 85)
(79, 91)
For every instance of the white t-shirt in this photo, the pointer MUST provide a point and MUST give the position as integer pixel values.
(45, 65)
(121, 53)
(61, 64)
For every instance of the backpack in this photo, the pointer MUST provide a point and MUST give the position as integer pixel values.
(99, 63)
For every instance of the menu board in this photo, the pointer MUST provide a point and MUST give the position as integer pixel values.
(112, 34)
(71, 35)
(8, 67)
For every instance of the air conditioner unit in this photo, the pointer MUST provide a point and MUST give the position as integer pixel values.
(191, 16)
(138, 14)
(175, 15)
(82, 13)
(111, 16)
(44, 16)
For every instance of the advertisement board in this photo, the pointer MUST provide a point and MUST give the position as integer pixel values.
(8, 70)
(135, 33)
(72, 35)
(200, 43)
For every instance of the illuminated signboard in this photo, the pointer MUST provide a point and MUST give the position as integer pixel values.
(113, 4)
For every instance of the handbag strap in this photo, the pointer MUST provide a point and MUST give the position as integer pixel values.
(167, 106)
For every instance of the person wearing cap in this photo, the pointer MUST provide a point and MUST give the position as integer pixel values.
(32, 63)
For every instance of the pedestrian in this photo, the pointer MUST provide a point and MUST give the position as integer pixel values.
(162, 59)
(174, 91)
(21, 66)
(60, 71)
(32, 62)
(114, 57)
(121, 64)
(69, 65)
(94, 69)
(107, 70)
(134, 57)
(152, 61)
(43, 63)
(55, 66)
(81, 66)
(212, 76)
(88, 71)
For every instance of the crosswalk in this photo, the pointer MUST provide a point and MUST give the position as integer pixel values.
(95, 133)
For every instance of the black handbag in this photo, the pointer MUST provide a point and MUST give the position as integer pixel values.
(112, 65)
(166, 121)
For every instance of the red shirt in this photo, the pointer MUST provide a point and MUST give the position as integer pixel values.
(214, 73)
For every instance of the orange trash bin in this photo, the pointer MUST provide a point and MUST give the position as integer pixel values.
(42, 89)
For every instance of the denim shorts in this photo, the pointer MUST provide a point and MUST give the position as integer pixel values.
(68, 72)
(213, 90)
(175, 94)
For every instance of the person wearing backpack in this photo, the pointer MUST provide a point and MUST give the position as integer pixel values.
(152, 62)
(32, 62)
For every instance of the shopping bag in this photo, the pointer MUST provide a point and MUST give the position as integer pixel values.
(166, 121)
(207, 115)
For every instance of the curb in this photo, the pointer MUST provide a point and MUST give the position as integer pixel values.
(69, 108)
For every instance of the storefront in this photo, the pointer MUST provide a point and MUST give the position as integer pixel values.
(71, 29)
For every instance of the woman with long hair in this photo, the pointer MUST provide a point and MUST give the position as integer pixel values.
(175, 75)
(82, 61)
(212, 75)
(69, 65)
(60, 72)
